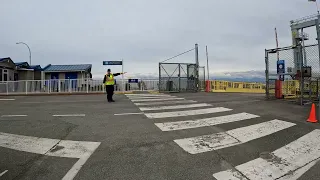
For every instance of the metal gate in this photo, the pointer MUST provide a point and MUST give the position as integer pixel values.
(178, 77)
(301, 74)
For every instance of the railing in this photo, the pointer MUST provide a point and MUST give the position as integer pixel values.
(229, 86)
(56, 86)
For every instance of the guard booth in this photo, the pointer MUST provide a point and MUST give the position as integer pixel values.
(178, 77)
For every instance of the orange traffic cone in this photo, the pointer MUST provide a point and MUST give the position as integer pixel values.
(312, 116)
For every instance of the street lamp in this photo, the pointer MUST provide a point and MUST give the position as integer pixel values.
(28, 48)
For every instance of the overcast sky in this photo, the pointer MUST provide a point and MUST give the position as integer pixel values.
(144, 32)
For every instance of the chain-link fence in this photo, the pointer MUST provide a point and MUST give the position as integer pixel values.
(300, 76)
(178, 77)
(202, 78)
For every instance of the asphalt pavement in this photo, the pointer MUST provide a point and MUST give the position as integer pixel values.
(157, 136)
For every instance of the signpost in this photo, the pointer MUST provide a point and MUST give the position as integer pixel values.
(133, 80)
(115, 63)
(281, 69)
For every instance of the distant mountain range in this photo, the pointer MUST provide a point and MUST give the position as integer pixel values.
(245, 76)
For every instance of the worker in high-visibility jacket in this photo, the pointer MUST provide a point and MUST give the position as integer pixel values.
(108, 81)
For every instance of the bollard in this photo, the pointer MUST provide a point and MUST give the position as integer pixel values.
(208, 86)
(278, 89)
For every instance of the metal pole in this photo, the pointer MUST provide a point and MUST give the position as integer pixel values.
(122, 78)
(318, 38)
(301, 74)
(267, 74)
(28, 49)
(159, 84)
(197, 66)
(179, 66)
(304, 49)
(207, 63)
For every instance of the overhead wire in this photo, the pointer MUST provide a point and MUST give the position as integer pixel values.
(178, 55)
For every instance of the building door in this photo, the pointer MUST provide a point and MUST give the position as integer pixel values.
(5, 75)
(54, 75)
(55, 82)
(72, 76)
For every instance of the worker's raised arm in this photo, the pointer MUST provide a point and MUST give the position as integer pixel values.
(117, 74)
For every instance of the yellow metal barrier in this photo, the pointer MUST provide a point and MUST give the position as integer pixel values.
(243, 87)
(290, 88)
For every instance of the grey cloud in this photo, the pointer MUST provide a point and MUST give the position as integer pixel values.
(144, 32)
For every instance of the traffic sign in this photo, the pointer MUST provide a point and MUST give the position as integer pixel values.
(281, 67)
(112, 62)
(133, 80)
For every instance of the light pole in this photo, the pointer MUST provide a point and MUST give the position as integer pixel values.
(28, 48)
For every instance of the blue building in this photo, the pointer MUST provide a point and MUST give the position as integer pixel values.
(76, 71)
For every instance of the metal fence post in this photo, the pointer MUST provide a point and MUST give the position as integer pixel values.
(26, 87)
(7, 88)
(87, 85)
(197, 67)
(59, 85)
(159, 78)
(267, 74)
(300, 59)
(318, 38)
(179, 66)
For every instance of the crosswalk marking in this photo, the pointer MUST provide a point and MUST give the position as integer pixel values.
(290, 162)
(150, 100)
(292, 157)
(179, 125)
(152, 95)
(174, 107)
(233, 137)
(165, 103)
(186, 113)
(46, 146)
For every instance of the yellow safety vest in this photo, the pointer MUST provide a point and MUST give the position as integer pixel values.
(110, 80)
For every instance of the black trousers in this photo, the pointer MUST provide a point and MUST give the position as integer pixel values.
(109, 90)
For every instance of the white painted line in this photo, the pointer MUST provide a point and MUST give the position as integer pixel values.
(151, 95)
(7, 99)
(236, 175)
(174, 107)
(233, 137)
(298, 173)
(14, 115)
(179, 125)
(166, 102)
(122, 114)
(52, 147)
(68, 115)
(150, 100)
(291, 160)
(186, 113)
(1, 174)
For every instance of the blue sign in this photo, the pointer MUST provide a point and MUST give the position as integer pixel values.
(112, 62)
(133, 80)
(281, 67)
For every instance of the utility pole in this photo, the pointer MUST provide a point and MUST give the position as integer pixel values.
(197, 66)
(207, 62)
